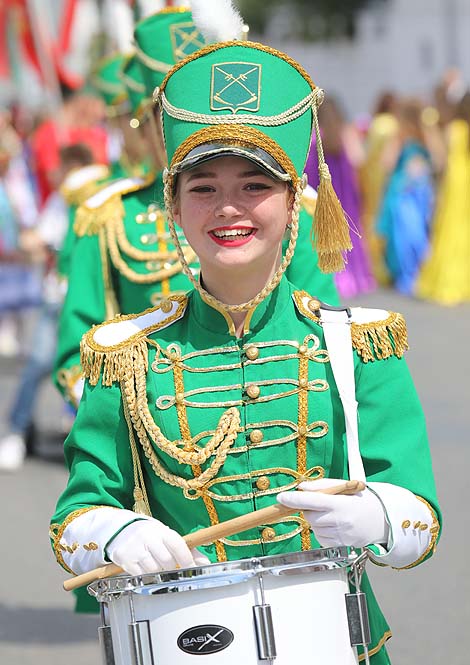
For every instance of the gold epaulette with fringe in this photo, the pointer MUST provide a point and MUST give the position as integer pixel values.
(76, 197)
(113, 348)
(88, 221)
(83, 183)
(380, 339)
(106, 204)
(383, 336)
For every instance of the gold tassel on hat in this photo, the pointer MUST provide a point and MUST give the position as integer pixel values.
(330, 231)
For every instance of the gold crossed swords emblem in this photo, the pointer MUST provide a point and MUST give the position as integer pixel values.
(186, 39)
(236, 86)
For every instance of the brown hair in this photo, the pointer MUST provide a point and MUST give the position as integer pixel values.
(77, 154)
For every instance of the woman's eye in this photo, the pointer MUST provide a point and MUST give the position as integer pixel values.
(202, 189)
(256, 186)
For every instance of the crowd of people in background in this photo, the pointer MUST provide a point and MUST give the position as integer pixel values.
(401, 174)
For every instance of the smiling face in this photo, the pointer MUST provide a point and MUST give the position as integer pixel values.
(233, 215)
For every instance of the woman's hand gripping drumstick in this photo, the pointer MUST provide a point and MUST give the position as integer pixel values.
(222, 530)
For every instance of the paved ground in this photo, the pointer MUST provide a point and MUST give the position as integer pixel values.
(428, 607)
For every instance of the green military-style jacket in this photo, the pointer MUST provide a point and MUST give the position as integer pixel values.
(124, 261)
(209, 426)
(79, 185)
(99, 176)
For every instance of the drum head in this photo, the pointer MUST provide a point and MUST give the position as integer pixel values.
(222, 574)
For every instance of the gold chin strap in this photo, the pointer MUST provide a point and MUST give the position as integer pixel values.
(276, 278)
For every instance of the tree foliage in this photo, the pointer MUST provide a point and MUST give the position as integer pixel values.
(307, 19)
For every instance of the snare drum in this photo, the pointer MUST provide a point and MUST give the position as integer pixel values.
(285, 609)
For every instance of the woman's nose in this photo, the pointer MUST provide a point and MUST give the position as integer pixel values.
(227, 207)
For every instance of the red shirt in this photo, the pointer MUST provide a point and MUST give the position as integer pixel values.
(47, 141)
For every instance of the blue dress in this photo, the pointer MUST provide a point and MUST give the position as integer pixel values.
(405, 215)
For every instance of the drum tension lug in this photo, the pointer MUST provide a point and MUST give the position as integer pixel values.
(358, 619)
(264, 626)
(105, 639)
(141, 642)
(356, 609)
(264, 632)
(140, 639)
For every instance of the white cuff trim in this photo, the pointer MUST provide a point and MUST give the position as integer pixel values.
(83, 540)
(410, 521)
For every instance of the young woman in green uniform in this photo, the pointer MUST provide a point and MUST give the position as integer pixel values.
(225, 400)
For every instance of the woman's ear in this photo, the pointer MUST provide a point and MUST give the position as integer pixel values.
(290, 202)
(175, 211)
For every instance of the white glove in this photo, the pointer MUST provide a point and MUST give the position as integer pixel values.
(148, 546)
(354, 520)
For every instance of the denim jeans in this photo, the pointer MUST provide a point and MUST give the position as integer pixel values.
(38, 366)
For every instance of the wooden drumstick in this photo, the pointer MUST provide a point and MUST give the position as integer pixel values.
(217, 531)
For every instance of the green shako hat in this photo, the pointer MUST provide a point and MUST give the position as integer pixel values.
(239, 93)
(244, 98)
(132, 76)
(106, 80)
(163, 39)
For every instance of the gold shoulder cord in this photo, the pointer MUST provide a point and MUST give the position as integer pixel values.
(134, 253)
(219, 444)
(142, 278)
(141, 502)
(110, 298)
(134, 389)
(127, 363)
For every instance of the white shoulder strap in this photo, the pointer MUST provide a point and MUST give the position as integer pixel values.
(337, 330)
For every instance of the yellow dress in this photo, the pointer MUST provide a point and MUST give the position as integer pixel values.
(372, 176)
(445, 275)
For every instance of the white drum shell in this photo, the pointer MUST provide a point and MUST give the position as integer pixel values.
(308, 613)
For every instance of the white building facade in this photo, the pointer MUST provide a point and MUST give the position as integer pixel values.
(403, 45)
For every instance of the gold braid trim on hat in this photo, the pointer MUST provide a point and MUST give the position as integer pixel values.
(108, 87)
(151, 63)
(276, 278)
(241, 136)
(131, 83)
(165, 10)
(380, 339)
(246, 44)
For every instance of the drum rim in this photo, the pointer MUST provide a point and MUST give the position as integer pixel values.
(170, 580)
